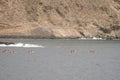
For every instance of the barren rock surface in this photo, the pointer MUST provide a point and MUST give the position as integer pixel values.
(60, 18)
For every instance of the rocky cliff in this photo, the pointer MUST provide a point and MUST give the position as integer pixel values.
(60, 18)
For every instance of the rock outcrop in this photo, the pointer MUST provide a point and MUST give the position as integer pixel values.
(60, 19)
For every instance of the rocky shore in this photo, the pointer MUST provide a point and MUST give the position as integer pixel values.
(60, 19)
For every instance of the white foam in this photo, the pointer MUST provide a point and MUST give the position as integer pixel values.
(21, 45)
(32, 45)
(97, 38)
(94, 38)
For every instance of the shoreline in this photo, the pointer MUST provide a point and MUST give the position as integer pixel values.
(24, 37)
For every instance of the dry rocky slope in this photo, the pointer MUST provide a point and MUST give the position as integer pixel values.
(60, 18)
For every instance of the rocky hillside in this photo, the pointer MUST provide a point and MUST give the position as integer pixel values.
(60, 18)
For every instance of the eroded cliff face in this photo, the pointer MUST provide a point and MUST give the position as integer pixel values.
(60, 19)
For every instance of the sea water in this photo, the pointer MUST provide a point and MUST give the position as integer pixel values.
(60, 59)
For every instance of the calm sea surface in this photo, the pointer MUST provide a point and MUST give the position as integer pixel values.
(61, 59)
